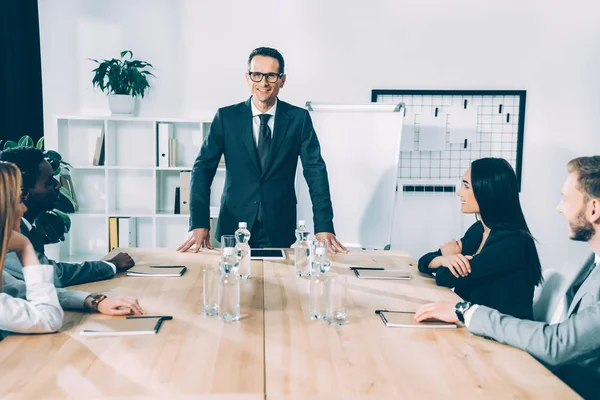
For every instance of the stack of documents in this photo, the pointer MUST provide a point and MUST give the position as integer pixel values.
(403, 319)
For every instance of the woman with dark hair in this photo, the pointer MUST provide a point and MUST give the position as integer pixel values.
(496, 263)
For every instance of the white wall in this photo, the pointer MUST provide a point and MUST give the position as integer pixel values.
(340, 50)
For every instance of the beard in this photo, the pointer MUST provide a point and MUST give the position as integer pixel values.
(582, 230)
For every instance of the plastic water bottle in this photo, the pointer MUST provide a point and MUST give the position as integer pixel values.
(302, 250)
(229, 262)
(317, 304)
(320, 265)
(242, 248)
(320, 260)
(229, 297)
(312, 240)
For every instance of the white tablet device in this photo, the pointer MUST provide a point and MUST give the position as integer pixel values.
(267, 254)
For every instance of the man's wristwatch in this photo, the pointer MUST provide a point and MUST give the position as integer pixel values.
(460, 309)
(96, 298)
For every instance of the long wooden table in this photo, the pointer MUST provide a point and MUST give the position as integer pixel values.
(275, 351)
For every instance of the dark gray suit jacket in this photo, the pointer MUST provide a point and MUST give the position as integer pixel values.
(570, 348)
(65, 274)
(247, 187)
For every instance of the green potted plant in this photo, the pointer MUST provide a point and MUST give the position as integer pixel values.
(54, 223)
(123, 79)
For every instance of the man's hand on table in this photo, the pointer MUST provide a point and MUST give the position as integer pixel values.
(334, 245)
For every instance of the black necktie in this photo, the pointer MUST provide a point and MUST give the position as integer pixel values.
(264, 139)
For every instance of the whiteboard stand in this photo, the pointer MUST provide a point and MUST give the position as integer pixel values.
(360, 144)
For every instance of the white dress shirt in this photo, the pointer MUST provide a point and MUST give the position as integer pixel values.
(30, 226)
(256, 120)
(469, 314)
(41, 312)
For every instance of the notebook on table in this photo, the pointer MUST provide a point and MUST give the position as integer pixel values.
(157, 270)
(405, 319)
(130, 325)
(381, 274)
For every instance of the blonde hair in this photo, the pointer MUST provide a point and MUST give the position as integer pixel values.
(588, 175)
(10, 197)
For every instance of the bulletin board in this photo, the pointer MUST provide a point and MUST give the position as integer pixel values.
(445, 130)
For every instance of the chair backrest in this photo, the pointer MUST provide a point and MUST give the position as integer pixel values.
(549, 295)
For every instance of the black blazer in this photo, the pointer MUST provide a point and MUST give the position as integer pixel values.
(247, 187)
(499, 278)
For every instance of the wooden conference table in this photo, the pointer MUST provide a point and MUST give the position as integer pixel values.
(275, 351)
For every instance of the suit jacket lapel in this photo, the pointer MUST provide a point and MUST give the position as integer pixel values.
(35, 237)
(24, 228)
(247, 136)
(279, 133)
(581, 280)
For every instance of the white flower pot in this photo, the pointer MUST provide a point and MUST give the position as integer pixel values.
(121, 104)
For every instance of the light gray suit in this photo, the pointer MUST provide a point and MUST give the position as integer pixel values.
(570, 348)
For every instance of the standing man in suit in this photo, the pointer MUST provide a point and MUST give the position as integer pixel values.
(572, 347)
(40, 192)
(261, 139)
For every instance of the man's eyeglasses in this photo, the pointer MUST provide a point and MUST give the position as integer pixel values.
(258, 76)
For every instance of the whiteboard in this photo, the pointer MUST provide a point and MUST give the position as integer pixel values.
(361, 148)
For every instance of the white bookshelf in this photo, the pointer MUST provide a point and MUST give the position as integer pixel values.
(130, 184)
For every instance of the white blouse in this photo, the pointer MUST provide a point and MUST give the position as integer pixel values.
(41, 312)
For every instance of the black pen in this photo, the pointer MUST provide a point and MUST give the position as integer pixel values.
(369, 268)
(167, 266)
(390, 311)
(163, 317)
(382, 315)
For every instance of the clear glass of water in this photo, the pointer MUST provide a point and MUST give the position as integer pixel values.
(227, 241)
(317, 303)
(320, 257)
(210, 288)
(229, 298)
(335, 288)
(229, 262)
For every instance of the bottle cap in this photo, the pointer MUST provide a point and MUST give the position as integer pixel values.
(243, 225)
(301, 223)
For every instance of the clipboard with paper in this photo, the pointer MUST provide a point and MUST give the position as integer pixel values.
(406, 319)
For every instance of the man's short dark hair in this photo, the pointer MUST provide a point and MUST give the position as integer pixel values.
(28, 160)
(267, 52)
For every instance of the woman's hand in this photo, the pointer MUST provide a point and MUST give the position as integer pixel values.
(452, 247)
(18, 242)
(23, 247)
(458, 264)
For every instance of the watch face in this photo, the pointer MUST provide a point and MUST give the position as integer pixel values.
(462, 306)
